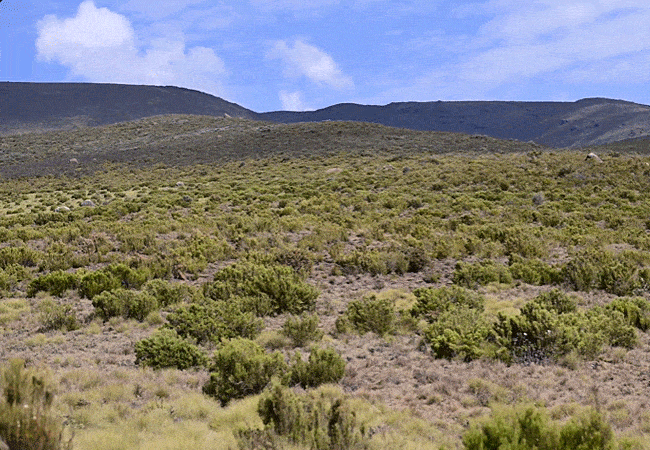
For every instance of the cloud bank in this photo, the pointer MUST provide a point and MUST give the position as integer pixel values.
(99, 45)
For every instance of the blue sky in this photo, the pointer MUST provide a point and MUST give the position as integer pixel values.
(306, 54)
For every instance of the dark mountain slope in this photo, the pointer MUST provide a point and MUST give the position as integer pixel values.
(555, 124)
(596, 121)
(46, 106)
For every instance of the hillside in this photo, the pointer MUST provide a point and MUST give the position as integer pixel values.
(47, 106)
(180, 140)
(220, 283)
(554, 124)
(50, 106)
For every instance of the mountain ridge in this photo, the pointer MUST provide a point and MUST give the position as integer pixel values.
(27, 107)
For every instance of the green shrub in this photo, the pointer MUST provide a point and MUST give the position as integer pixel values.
(557, 301)
(56, 283)
(124, 303)
(241, 368)
(471, 275)
(522, 428)
(636, 310)
(588, 431)
(110, 278)
(528, 427)
(381, 262)
(274, 289)
(318, 420)
(167, 293)
(619, 274)
(323, 366)
(550, 326)
(53, 316)
(458, 333)
(214, 321)
(302, 329)
(26, 420)
(166, 349)
(533, 271)
(431, 302)
(370, 314)
(94, 283)
(23, 256)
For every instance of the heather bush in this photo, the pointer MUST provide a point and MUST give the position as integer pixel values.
(56, 283)
(431, 302)
(302, 329)
(167, 293)
(241, 368)
(621, 274)
(323, 366)
(213, 321)
(528, 427)
(370, 314)
(124, 303)
(472, 275)
(94, 283)
(271, 289)
(635, 309)
(533, 271)
(458, 333)
(26, 417)
(166, 349)
(320, 420)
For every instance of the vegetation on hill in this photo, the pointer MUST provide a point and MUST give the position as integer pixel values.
(394, 290)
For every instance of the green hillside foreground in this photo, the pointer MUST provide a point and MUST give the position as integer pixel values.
(235, 284)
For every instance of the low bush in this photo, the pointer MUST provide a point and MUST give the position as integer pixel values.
(110, 278)
(370, 314)
(213, 321)
(55, 283)
(124, 303)
(458, 333)
(320, 420)
(549, 326)
(95, 283)
(302, 329)
(472, 275)
(54, 316)
(621, 274)
(26, 417)
(324, 366)
(431, 302)
(272, 289)
(384, 261)
(636, 310)
(167, 293)
(241, 368)
(166, 349)
(534, 271)
(23, 256)
(528, 427)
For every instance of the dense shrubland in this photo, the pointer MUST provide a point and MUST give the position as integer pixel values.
(213, 263)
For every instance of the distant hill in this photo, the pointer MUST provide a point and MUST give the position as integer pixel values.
(593, 121)
(50, 106)
(596, 121)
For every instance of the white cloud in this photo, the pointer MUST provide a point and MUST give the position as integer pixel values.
(292, 101)
(99, 45)
(303, 59)
(565, 41)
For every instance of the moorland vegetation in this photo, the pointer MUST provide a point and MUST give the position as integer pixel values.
(429, 294)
